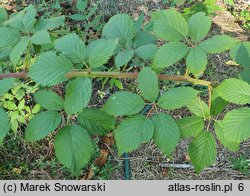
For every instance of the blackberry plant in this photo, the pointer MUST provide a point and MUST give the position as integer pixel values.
(69, 61)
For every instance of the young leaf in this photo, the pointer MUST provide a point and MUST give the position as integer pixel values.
(202, 151)
(100, 52)
(78, 17)
(199, 108)
(78, 93)
(173, 98)
(167, 134)
(148, 84)
(41, 37)
(19, 49)
(144, 38)
(218, 127)
(199, 25)
(42, 125)
(73, 147)
(96, 122)
(236, 125)
(24, 20)
(146, 52)
(132, 132)
(190, 126)
(49, 100)
(81, 5)
(234, 91)
(139, 22)
(49, 24)
(71, 46)
(170, 25)
(123, 57)
(217, 44)
(124, 103)
(241, 53)
(120, 26)
(9, 37)
(50, 69)
(5, 85)
(4, 125)
(196, 61)
(3, 15)
(169, 54)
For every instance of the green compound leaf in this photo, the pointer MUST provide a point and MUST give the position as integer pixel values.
(170, 25)
(144, 38)
(199, 108)
(5, 52)
(101, 51)
(199, 25)
(73, 147)
(24, 20)
(218, 127)
(4, 125)
(3, 15)
(19, 49)
(196, 61)
(42, 125)
(9, 37)
(124, 103)
(49, 100)
(78, 94)
(146, 52)
(236, 125)
(173, 98)
(49, 24)
(190, 126)
(123, 57)
(167, 134)
(217, 44)
(169, 54)
(5, 85)
(244, 75)
(71, 46)
(217, 103)
(120, 26)
(148, 84)
(96, 122)
(234, 91)
(202, 151)
(132, 132)
(50, 69)
(41, 37)
(241, 53)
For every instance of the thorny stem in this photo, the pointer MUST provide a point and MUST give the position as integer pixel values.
(134, 75)
(13, 75)
(131, 75)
